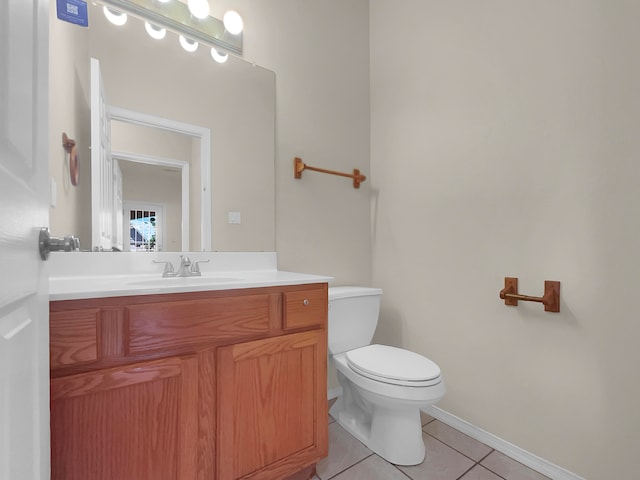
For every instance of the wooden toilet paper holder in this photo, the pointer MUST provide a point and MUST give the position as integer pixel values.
(550, 299)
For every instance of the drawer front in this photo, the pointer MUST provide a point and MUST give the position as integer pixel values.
(73, 337)
(305, 308)
(180, 324)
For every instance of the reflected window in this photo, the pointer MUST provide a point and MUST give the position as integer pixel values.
(144, 224)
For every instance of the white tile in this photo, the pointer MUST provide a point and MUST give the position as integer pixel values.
(344, 451)
(480, 473)
(510, 469)
(458, 440)
(372, 468)
(425, 418)
(442, 462)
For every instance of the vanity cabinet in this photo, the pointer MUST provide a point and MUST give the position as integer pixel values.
(265, 390)
(223, 385)
(130, 422)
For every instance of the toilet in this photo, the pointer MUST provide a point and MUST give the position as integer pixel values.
(383, 387)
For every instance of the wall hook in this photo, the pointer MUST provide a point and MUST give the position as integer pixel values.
(550, 299)
(69, 146)
(299, 166)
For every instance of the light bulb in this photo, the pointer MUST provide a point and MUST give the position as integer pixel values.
(154, 31)
(199, 8)
(219, 57)
(232, 22)
(163, 1)
(114, 16)
(188, 44)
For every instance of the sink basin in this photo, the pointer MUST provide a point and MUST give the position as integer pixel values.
(178, 281)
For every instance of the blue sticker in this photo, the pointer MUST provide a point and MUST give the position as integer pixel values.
(73, 11)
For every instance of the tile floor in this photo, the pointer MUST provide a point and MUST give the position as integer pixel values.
(451, 455)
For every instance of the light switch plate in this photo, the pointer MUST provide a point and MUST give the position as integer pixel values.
(235, 218)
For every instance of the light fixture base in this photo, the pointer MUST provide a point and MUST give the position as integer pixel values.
(175, 16)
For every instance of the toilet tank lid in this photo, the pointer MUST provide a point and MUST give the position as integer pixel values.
(347, 292)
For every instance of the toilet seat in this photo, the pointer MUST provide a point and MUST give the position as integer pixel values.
(393, 365)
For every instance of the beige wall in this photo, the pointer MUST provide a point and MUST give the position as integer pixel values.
(131, 138)
(319, 51)
(504, 143)
(69, 113)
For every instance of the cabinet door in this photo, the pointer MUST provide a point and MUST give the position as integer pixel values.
(134, 422)
(272, 406)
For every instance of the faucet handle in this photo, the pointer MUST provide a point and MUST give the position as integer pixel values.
(168, 269)
(195, 268)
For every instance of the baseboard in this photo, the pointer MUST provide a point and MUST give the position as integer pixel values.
(334, 393)
(529, 459)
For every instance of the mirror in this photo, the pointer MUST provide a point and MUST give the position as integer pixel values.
(171, 146)
(234, 100)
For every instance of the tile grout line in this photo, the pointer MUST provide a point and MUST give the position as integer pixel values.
(349, 467)
(467, 471)
(483, 458)
(401, 471)
(430, 421)
(477, 464)
(484, 466)
(456, 450)
(512, 459)
(481, 466)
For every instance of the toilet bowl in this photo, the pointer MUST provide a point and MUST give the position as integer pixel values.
(383, 387)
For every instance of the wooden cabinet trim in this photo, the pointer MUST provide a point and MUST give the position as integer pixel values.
(112, 332)
(207, 407)
(103, 380)
(188, 440)
(73, 337)
(78, 304)
(287, 467)
(164, 325)
(257, 348)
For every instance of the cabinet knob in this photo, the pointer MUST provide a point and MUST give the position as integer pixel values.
(305, 302)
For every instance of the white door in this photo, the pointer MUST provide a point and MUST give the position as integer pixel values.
(102, 195)
(24, 317)
(118, 232)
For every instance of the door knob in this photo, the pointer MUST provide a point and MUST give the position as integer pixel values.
(48, 244)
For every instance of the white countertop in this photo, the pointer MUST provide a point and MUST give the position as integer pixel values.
(81, 275)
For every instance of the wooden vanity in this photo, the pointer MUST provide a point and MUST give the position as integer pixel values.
(221, 384)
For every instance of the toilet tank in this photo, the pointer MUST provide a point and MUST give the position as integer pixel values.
(353, 317)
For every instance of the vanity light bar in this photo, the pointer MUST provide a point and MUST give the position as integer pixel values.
(175, 16)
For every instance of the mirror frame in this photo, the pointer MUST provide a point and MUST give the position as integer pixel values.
(204, 135)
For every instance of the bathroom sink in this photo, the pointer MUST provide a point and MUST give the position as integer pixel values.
(179, 281)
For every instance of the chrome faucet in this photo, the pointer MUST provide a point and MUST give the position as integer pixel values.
(186, 268)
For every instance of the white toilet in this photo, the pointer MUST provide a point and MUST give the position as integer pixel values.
(383, 388)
